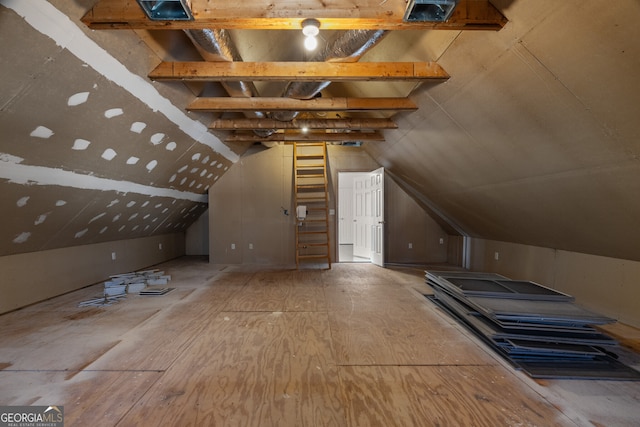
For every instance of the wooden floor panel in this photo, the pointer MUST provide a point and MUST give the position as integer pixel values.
(250, 369)
(357, 345)
(387, 396)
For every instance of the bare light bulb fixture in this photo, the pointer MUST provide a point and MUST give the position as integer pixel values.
(310, 29)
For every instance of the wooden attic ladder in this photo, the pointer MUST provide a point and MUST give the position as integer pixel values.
(311, 191)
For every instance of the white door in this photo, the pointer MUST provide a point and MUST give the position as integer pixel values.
(361, 247)
(376, 190)
(345, 209)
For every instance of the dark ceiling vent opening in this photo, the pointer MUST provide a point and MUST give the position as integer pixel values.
(429, 10)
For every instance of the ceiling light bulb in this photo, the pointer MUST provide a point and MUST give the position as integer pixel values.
(310, 43)
(310, 27)
(305, 129)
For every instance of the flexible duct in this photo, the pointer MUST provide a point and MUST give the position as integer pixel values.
(216, 45)
(348, 47)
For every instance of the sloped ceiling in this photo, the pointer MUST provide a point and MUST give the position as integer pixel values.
(534, 139)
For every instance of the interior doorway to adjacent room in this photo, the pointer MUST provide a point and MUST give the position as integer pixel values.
(361, 216)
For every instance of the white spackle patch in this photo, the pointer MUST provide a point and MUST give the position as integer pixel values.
(171, 146)
(131, 203)
(165, 210)
(77, 99)
(146, 227)
(157, 138)
(42, 132)
(113, 112)
(210, 175)
(80, 144)
(219, 165)
(115, 218)
(42, 218)
(22, 202)
(103, 229)
(113, 202)
(133, 216)
(183, 180)
(226, 168)
(154, 219)
(145, 204)
(122, 228)
(194, 170)
(151, 165)
(97, 217)
(22, 237)
(216, 178)
(159, 205)
(53, 23)
(205, 160)
(4, 157)
(192, 183)
(173, 177)
(206, 188)
(81, 233)
(109, 154)
(182, 169)
(132, 160)
(213, 163)
(199, 186)
(137, 127)
(146, 216)
(195, 157)
(61, 203)
(135, 227)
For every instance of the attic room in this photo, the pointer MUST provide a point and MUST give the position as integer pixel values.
(498, 137)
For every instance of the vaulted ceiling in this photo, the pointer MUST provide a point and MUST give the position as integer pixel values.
(515, 121)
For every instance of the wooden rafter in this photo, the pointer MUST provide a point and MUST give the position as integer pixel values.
(309, 136)
(298, 71)
(250, 124)
(224, 104)
(270, 15)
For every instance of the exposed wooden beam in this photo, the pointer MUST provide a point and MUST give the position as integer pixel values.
(309, 136)
(289, 104)
(270, 15)
(250, 124)
(298, 71)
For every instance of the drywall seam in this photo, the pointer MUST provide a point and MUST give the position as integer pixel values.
(48, 20)
(40, 175)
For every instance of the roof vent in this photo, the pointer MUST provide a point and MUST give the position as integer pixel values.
(167, 10)
(429, 10)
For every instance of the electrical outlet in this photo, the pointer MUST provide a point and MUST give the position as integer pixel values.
(250, 245)
(410, 245)
(496, 256)
(113, 256)
(159, 246)
(441, 241)
(233, 246)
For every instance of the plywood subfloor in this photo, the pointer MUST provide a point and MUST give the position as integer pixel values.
(356, 345)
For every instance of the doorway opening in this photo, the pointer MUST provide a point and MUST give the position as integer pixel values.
(361, 216)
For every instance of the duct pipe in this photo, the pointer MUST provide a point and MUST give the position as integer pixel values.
(348, 47)
(216, 45)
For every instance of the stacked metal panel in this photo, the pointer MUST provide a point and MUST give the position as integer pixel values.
(539, 330)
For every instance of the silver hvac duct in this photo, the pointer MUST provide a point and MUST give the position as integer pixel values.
(348, 47)
(216, 45)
